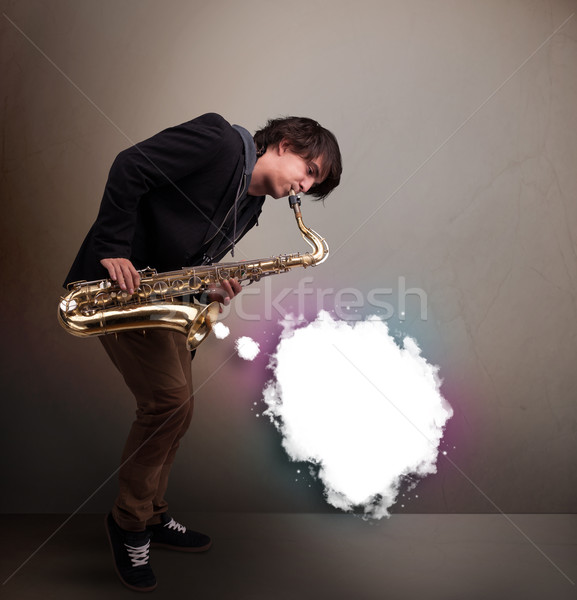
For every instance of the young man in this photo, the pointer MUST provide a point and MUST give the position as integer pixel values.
(182, 198)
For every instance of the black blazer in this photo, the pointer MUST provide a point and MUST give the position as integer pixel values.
(166, 198)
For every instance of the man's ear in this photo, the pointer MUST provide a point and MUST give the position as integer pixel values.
(283, 147)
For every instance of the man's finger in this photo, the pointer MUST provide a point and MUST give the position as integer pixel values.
(236, 286)
(127, 277)
(131, 276)
(120, 277)
(123, 272)
(110, 268)
(225, 284)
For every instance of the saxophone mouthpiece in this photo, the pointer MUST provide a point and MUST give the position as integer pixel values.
(293, 198)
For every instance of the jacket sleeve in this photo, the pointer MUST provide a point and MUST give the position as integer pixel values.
(158, 161)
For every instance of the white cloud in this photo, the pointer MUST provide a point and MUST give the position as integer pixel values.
(366, 412)
(220, 330)
(247, 348)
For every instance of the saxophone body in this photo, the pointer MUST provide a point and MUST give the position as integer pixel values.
(170, 300)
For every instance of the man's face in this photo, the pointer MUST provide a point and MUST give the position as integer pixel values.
(279, 170)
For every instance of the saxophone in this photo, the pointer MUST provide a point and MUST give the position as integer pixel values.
(169, 300)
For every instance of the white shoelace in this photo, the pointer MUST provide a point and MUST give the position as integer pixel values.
(172, 524)
(138, 554)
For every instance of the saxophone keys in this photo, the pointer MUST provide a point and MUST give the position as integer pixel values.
(145, 290)
(256, 274)
(122, 296)
(194, 283)
(67, 305)
(102, 298)
(160, 287)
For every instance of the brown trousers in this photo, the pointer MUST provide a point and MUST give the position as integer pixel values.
(155, 365)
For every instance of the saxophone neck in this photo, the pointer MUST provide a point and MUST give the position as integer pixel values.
(316, 242)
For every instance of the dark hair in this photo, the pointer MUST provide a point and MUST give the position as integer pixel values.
(309, 140)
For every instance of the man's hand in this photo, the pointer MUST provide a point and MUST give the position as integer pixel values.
(123, 272)
(227, 289)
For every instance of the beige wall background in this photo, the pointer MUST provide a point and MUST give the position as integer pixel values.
(458, 128)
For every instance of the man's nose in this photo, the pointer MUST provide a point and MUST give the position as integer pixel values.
(306, 184)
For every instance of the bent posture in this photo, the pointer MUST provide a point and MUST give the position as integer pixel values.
(183, 197)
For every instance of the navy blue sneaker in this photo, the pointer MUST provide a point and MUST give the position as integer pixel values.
(131, 551)
(174, 536)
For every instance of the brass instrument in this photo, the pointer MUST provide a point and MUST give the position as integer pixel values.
(100, 307)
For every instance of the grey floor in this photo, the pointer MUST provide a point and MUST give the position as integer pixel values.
(306, 556)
